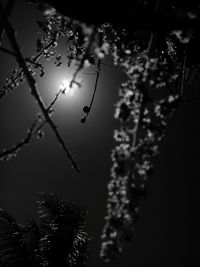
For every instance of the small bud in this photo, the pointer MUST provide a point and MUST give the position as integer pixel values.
(86, 109)
(83, 120)
(42, 73)
(40, 134)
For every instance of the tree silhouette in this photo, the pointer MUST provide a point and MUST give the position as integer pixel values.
(158, 62)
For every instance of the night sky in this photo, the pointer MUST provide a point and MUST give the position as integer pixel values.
(167, 228)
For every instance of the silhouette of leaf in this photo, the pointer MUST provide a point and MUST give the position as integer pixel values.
(13, 252)
(65, 241)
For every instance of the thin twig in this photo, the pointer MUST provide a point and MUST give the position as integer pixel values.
(7, 51)
(33, 62)
(31, 133)
(34, 59)
(183, 76)
(96, 82)
(13, 151)
(32, 83)
(33, 130)
(53, 101)
(28, 60)
(50, 43)
(95, 88)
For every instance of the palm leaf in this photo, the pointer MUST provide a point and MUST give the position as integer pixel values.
(65, 241)
(13, 252)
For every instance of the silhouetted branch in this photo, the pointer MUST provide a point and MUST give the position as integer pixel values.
(8, 154)
(29, 60)
(3, 49)
(32, 83)
(8, 10)
(183, 76)
(32, 61)
(54, 100)
(96, 82)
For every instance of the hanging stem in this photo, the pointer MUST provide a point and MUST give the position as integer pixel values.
(96, 82)
(94, 92)
(183, 76)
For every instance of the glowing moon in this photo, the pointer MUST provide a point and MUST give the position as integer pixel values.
(66, 89)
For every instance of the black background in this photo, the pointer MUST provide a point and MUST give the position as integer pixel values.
(167, 229)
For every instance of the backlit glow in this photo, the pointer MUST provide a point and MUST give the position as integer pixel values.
(66, 88)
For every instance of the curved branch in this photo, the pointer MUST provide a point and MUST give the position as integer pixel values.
(94, 92)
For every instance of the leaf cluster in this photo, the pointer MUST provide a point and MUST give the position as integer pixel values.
(59, 239)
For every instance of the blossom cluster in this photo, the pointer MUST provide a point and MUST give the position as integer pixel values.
(143, 116)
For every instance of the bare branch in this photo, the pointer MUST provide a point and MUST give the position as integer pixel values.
(183, 75)
(27, 59)
(8, 10)
(32, 83)
(8, 154)
(53, 101)
(5, 50)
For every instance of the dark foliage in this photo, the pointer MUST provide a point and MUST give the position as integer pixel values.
(60, 238)
(156, 45)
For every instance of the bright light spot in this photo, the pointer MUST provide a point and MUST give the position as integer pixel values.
(66, 89)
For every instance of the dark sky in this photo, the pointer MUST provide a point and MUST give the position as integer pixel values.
(167, 229)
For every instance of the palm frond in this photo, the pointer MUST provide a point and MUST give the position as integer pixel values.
(65, 241)
(31, 236)
(13, 252)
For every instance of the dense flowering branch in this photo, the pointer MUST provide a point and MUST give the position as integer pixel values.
(143, 120)
(18, 74)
